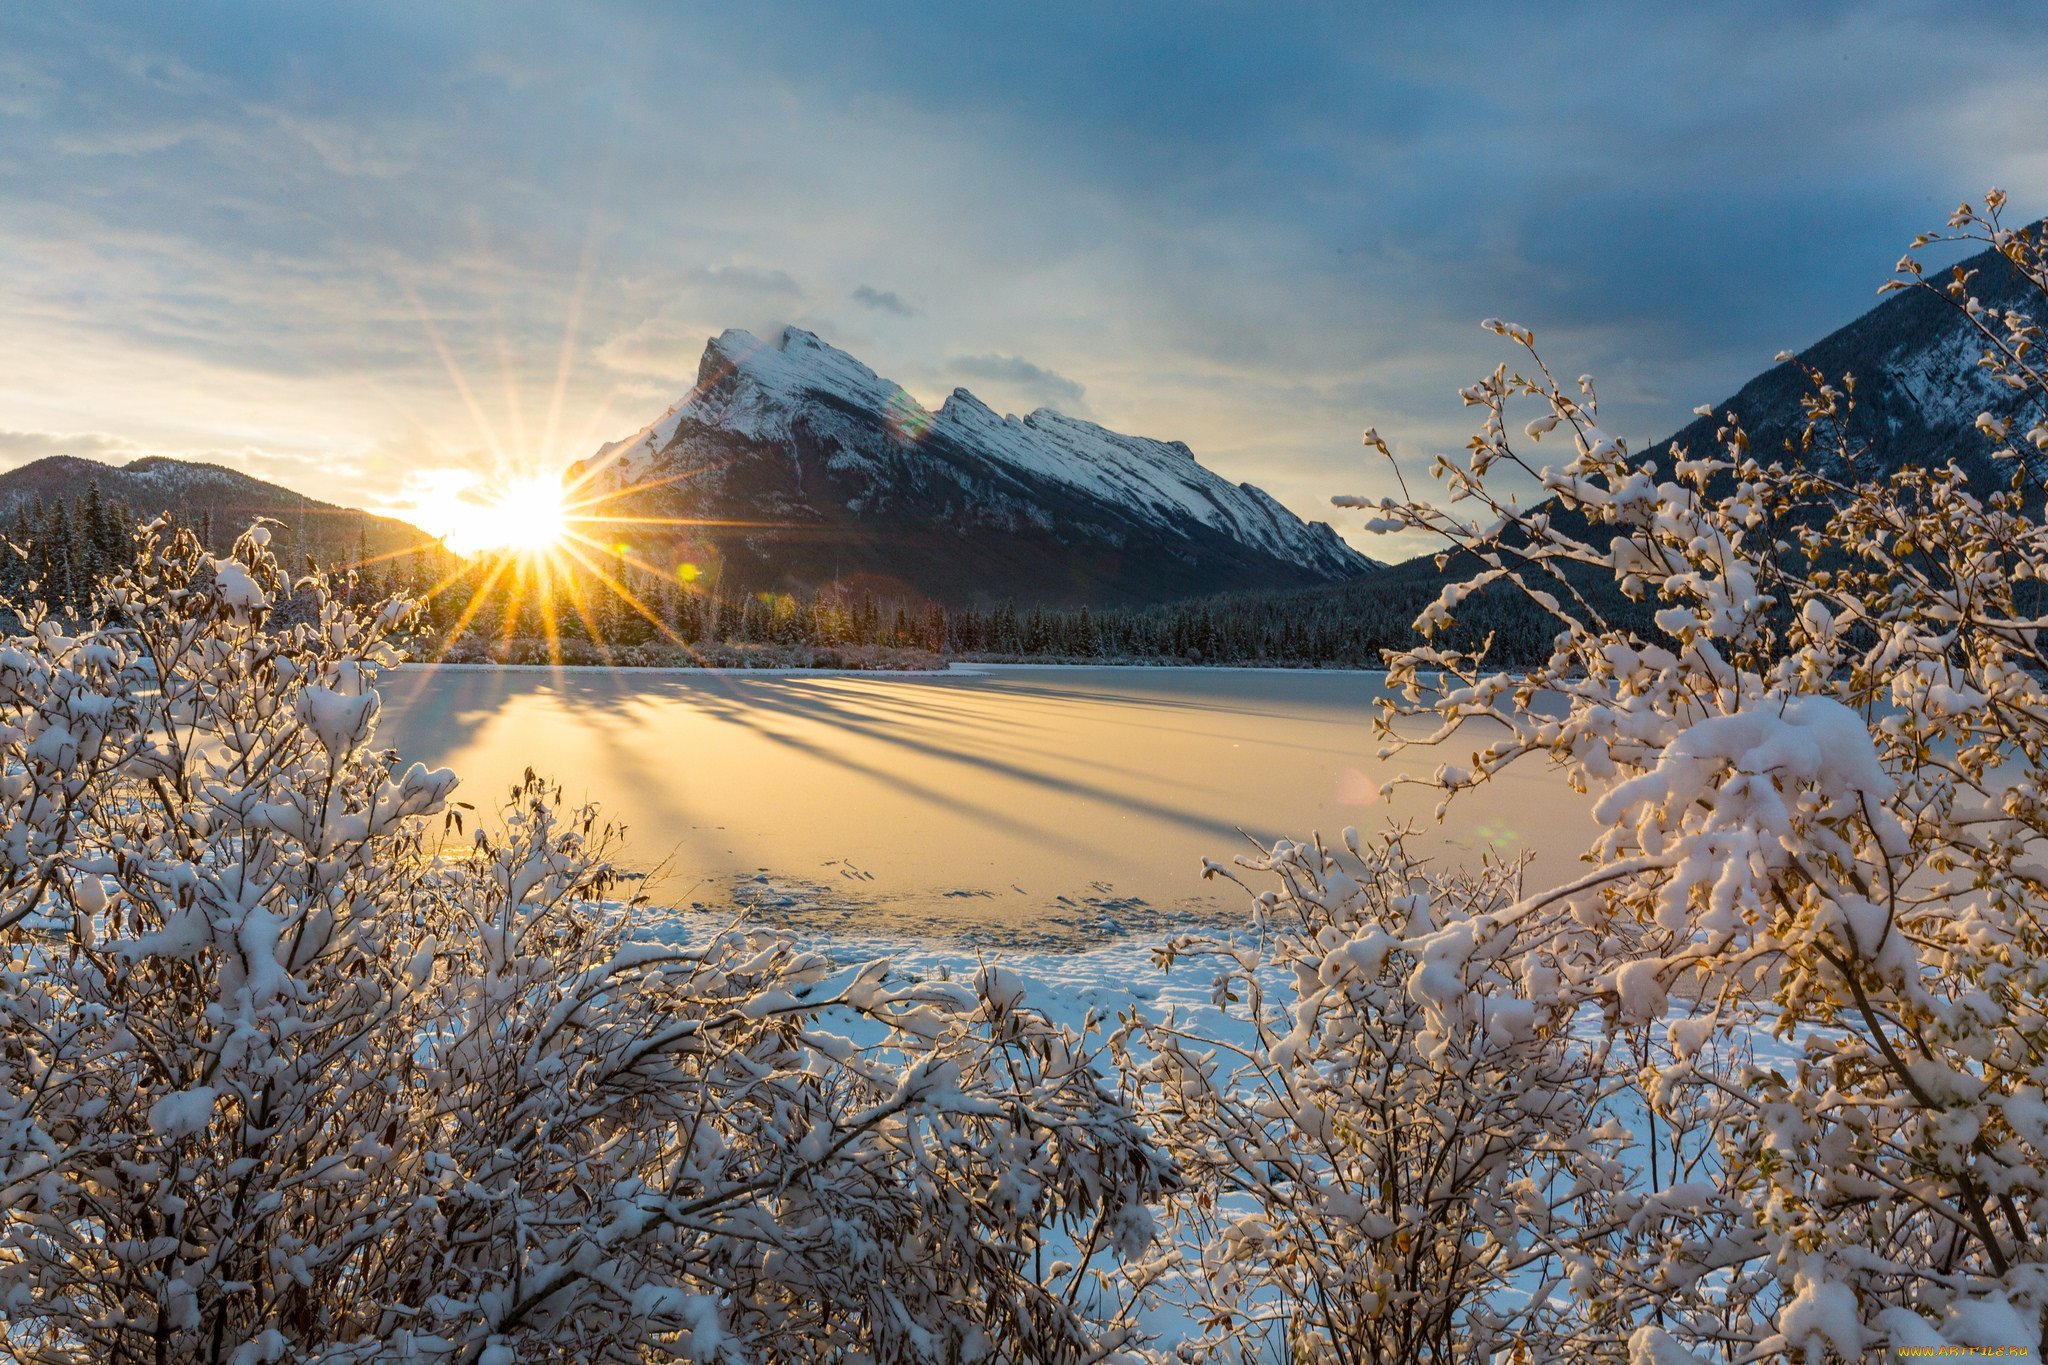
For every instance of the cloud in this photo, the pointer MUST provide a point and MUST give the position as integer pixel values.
(348, 240)
(1019, 375)
(749, 282)
(883, 300)
(22, 447)
(695, 307)
(24, 90)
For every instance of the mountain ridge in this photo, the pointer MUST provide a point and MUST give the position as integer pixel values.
(1919, 387)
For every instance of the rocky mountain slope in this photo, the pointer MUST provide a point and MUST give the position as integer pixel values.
(1919, 388)
(792, 464)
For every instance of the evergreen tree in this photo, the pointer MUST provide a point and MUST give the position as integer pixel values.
(92, 561)
(58, 586)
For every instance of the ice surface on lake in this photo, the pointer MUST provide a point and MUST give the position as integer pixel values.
(1015, 805)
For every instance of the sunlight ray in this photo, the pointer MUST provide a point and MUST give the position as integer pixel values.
(471, 608)
(370, 561)
(695, 521)
(571, 325)
(515, 409)
(626, 595)
(648, 485)
(455, 375)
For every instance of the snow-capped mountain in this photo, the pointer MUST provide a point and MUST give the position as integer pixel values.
(803, 466)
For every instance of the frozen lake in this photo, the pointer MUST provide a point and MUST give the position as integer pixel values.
(1021, 802)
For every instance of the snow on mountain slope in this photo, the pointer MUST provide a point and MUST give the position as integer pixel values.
(1134, 471)
(800, 429)
(1919, 387)
(757, 391)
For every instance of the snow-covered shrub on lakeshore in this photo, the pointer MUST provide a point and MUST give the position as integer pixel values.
(1397, 1158)
(298, 1061)
(1825, 821)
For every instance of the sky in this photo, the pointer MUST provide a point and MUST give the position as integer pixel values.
(355, 248)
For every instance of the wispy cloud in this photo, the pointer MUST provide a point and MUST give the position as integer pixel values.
(1018, 375)
(883, 300)
(690, 307)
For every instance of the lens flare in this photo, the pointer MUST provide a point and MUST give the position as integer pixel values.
(907, 419)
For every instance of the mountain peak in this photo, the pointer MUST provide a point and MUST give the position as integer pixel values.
(723, 354)
(740, 366)
(957, 501)
(961, 405)
(735, 342)
(1919, 388)
(793, 344)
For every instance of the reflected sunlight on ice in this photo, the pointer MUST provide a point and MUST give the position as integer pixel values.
(1016, 802)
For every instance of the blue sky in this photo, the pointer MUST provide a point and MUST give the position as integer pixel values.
(344, 246)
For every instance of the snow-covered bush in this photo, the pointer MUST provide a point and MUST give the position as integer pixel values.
(1395, 1158)
(298, 1062)
(1825, 832)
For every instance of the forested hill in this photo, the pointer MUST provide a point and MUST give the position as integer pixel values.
(217, 502)
(74, 520)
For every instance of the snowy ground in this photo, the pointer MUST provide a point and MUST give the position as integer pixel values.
(1073, 978)
(1068, 983)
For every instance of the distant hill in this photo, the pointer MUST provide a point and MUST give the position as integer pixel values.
(791, 465)
(208, 496)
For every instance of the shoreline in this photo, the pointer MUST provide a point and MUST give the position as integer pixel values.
(961, 668)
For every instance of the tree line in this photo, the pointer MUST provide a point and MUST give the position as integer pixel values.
(67, 548)
(1347, 625)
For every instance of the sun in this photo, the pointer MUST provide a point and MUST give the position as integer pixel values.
(527, 514)
(522, 514)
